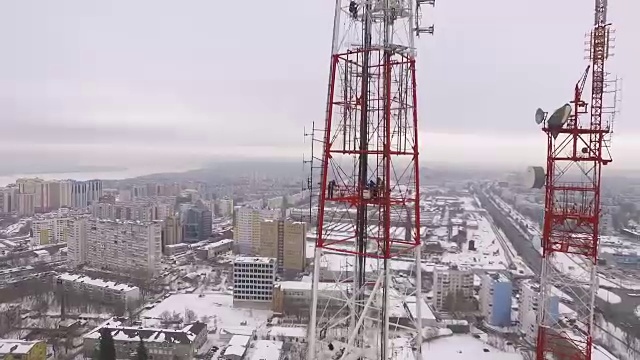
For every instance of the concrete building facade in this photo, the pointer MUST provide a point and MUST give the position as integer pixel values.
(253, 281)
(286, 241)
(455, 282)
(496, 292)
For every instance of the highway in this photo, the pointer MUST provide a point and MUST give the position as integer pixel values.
(621, 315)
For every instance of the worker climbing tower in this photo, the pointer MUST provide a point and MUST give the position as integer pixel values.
(577, 148)
(369, 188)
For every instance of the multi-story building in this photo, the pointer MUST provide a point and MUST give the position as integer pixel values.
(528, 304)
(161, 344)
(294, 297)
(171, 231)
(85, 193)
(225, 207)
(197, 223)
(77, 243)
(52, 228)
(131, 246)
(451, 285)
(26, 204)
(253, 280)
(22, 350)
(246, 231)
(218, 248)
(496, 292)
(286, 241)
(107, 291)
(8, 200)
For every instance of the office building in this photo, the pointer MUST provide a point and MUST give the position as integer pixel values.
(286, 241)
(117, 245)
(197, 223)
(246, 230)
(253, 280)
(161, 344)
(496, 292)
(452, 287)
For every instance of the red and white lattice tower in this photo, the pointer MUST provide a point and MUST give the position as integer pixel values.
(369, 198)
(575, 156)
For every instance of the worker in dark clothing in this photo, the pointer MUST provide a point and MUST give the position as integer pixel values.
(353, 9)
(372, 188)
(332, 187)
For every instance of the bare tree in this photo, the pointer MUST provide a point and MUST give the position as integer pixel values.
(189, 316)
(165, 315)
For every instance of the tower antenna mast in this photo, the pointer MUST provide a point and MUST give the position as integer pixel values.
(576, 152)
(369, 186)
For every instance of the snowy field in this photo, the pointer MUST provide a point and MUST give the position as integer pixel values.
(213, 308)
(464, 347)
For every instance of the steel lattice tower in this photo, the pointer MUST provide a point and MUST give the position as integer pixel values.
(575, 156)
(369, 197)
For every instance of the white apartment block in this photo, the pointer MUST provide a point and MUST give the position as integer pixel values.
(53, 228)
(451, 280)
(225, 206)
(8, 200)
(253, 280)
(527, 310)
(246, 231)
(108, 291)
(117, 245)
(77, 243)
(140, 210)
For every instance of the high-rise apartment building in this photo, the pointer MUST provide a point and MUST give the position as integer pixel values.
(171, 231)
(246, 231)
(285, 241)
(496, 291)
(131, 246)
(451, 286)
(8, 200)
(253, 280)
(85, 193)
(26, 204)
(77, 243)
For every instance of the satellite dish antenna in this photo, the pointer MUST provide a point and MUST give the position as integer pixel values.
(557, 120)
(540, 116)
(535, 177)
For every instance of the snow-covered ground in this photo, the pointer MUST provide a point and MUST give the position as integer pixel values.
(215, 309)
(464, 347)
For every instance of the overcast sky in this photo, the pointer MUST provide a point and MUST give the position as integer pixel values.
(98, 78)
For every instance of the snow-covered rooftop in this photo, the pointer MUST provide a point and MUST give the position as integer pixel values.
(15, 347)
(96, 282)
(128, 333)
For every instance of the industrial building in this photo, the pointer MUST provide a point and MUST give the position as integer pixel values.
(496, 292)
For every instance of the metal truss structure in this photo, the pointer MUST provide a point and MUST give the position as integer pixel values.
(369, 195)
(570, 239)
